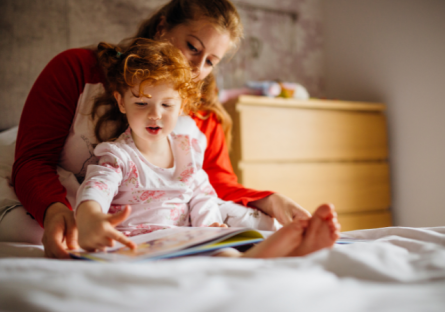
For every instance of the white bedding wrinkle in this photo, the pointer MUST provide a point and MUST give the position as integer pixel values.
(202, 284)
(381, 275)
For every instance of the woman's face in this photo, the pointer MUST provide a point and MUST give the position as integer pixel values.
(200, 42)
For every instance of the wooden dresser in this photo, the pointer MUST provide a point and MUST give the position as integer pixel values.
(314, 152)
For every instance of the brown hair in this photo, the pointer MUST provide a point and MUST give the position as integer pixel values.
(141, 61)
(224, 16)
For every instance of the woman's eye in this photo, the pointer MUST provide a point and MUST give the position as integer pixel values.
(140, 103)
(191, 47)
(209, 62)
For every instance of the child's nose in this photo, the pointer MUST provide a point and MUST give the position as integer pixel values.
(154, 114)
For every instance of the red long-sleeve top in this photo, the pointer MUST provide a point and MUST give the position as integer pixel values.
(46, 121)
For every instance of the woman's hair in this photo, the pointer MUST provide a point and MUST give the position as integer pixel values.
(142, 61)
(221, 13)
(224, 16)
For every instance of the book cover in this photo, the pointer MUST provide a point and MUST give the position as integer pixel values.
(175, 242)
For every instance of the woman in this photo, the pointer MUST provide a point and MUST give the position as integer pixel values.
(54, 128)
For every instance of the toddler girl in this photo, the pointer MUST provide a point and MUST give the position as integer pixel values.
(149, 166)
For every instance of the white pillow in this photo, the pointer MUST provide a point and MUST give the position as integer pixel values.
(9, 136)
(7, 193)
(7, 149)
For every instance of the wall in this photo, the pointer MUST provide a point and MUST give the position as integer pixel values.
(33, 32)
(277, 46)
(393, 51)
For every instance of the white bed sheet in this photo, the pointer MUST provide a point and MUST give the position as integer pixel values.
(402, 269)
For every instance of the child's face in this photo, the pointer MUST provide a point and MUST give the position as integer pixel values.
(151, 119)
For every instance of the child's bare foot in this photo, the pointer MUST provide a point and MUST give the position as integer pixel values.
(322, 232)
(227, 252)
(281, 243)
(216, 224)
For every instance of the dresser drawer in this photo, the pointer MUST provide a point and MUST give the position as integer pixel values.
(315, 152)
(289, 134)
(351, 187)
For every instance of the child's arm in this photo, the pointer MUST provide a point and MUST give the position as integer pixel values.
(204, 210)
(96, 229)
(94, 196)
(102, 181)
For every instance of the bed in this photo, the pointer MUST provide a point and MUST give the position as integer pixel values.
(401, 269)
(395, 269)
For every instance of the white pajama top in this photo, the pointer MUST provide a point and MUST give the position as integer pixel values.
(159, 197)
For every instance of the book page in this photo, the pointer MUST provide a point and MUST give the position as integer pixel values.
(164, 242)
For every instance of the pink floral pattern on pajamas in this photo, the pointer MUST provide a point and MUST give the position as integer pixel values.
(183, 141)
(196, 146)
(97, 185)
(208, 190)
(159, 197)
(186, 175)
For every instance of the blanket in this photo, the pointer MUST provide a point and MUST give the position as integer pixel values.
(396, 269)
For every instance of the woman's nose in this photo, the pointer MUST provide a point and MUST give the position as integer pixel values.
(198, 63)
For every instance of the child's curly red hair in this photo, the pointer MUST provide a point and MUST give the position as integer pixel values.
(142, 61)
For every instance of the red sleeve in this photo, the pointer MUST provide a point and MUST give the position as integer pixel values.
(44, 125)
(218, 167)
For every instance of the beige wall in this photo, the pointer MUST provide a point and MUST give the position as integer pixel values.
(33, 32)
(393, 51)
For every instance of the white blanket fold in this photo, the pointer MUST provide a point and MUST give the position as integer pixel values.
(401, 269)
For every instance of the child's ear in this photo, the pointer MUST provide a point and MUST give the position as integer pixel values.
(160, 29)
(119, 101)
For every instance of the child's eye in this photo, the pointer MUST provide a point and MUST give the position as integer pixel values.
(209, 62)
(166, 105)
(191, 47)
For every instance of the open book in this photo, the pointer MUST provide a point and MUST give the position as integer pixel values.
(175, 242)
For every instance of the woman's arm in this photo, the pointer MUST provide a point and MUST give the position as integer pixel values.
(44, 125)
(282, 208)
(219, 169)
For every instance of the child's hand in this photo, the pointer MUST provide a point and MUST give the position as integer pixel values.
(96, 229)
(216, 224)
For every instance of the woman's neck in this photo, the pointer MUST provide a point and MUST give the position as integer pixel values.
(158, 153)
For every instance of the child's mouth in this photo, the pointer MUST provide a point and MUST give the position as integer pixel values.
(153, 130)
